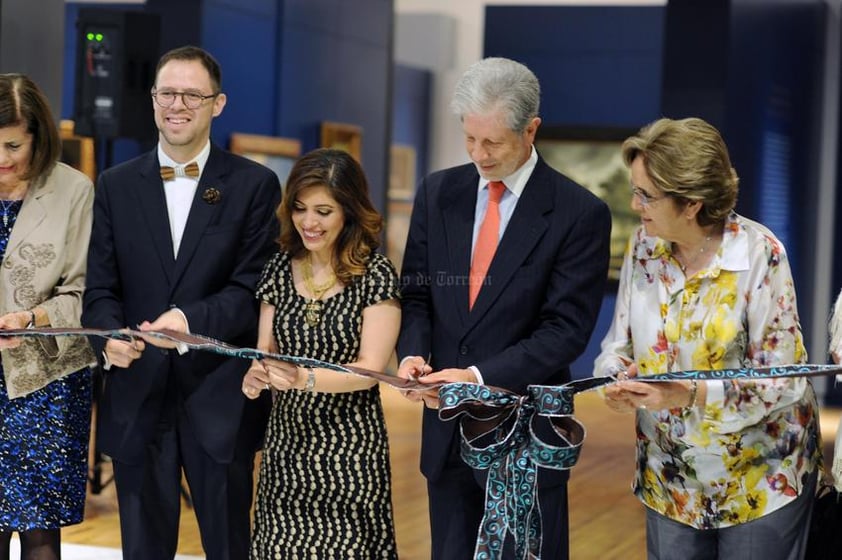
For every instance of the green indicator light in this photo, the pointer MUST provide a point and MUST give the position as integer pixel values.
(99, 36)
(90, 36)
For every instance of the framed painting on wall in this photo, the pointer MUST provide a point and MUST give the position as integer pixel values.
(278, 154)
(400, 198)
(77, 151)
(401, 172)
(342, 136)
(591, 156)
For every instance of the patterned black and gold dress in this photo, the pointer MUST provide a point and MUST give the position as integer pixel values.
(324, 490)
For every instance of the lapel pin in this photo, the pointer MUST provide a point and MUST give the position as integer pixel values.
(211, 195)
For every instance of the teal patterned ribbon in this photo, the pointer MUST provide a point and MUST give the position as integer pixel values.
(747, 373)
(496, 426)
(199, 342)
(497, 435)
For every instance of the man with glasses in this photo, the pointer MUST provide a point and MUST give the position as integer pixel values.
(179, 239)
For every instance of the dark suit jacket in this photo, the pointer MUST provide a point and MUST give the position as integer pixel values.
(536, 312)
(133, 276)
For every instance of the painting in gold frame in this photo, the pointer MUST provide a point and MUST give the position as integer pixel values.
(276, 153)
(77, 151)
(591, 156)
(402, 172)
(342, 136)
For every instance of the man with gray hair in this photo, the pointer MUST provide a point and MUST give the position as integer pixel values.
(504, 272)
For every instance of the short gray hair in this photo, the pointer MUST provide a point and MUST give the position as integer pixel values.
(498, 83)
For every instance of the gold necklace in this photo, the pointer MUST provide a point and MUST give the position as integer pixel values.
(683, 262)
(313, 308)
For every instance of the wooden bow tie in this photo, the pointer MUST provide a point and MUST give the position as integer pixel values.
(189, 170)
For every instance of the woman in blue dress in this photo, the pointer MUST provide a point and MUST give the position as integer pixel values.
(45, 386)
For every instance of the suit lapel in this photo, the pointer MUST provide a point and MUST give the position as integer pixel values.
(201, 212)
(153, 205)
(32, 213)
(457, 207)
(525, 229)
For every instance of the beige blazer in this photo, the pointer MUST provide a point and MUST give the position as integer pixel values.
(44, 266)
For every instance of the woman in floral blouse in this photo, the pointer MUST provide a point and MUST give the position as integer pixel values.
(726, 469)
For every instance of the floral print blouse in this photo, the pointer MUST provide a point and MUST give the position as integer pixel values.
(754, 446)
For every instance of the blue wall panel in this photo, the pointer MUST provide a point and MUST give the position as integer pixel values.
(335, 65)
(598, 66)
(242, 37)
(411, 113)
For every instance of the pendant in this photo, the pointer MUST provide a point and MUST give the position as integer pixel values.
(313, 312)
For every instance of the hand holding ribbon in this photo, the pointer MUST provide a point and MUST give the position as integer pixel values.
(169, 338)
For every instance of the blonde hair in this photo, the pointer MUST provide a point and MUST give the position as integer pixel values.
(688, 160)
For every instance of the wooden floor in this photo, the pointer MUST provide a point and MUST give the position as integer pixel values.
(606, 521)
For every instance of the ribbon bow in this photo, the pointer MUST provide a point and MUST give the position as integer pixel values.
(498, 435)
(190, 170)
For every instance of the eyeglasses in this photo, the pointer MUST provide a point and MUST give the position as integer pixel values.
(646, 199)
(191, 99)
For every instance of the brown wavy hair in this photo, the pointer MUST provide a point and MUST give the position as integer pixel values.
(344, 179)
(22, 102)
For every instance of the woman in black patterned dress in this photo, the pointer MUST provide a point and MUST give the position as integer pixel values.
(324, 490)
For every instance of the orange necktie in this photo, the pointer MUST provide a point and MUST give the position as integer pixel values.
(489, 232)
(189, 170)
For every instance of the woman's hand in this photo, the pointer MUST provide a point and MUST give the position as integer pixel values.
(284, 376)
(255, 380)
(618, 399)
(13, 320)
(627, 395)
(655, 395)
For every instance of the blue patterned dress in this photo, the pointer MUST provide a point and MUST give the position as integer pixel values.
(43, 443)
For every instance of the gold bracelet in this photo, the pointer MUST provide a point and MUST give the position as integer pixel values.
(311, 380)
(694, 389)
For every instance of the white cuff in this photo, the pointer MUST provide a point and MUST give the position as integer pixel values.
(405, 358)
(182, 348)
(715, 393)
(480, 380)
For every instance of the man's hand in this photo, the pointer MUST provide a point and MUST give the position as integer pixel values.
(450, 375)
(413, 367)
(172, 320)
(121, 353)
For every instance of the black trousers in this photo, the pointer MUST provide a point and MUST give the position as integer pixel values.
(149, 497)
